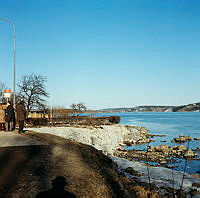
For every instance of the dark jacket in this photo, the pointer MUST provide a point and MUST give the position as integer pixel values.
(10, 113)
(21, 112)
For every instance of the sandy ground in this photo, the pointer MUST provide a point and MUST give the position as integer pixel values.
(31, 168)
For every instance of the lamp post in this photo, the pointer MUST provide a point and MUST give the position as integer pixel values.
(14, 55)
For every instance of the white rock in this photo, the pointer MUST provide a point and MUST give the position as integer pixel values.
(111, 136)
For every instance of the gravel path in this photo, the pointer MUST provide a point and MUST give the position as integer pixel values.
(14, 139)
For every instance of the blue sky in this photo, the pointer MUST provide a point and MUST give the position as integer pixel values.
(106, 53)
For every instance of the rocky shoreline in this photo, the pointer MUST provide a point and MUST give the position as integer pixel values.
(161, 154)
(111, 141)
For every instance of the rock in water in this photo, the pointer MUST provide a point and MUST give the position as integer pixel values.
(189, 154)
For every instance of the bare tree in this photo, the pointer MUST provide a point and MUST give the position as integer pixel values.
(60, 112)
(2, 87)
(78, 108)
(33, 91)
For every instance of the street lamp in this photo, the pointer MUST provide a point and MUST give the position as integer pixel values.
(14, 54)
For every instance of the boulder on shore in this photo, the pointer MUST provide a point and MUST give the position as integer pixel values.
(182, 138)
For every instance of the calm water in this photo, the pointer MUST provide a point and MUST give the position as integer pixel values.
(170, 124)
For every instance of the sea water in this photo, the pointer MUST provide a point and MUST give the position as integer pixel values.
(171, 124)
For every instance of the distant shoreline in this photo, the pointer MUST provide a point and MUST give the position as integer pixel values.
(145, 112)
(194, 107)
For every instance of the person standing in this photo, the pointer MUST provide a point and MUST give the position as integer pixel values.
(10, 117)
(21, 115)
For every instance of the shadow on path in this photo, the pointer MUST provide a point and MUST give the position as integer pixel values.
(57, 190)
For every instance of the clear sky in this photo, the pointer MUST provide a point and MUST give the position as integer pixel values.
(106, 53)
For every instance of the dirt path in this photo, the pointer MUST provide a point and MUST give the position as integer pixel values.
(27, 170)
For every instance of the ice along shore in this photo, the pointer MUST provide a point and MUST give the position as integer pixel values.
(109, 138)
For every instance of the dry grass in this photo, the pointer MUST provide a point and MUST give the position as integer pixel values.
(141, 192)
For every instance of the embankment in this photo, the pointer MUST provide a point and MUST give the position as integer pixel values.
(105, 138)
(110, 138)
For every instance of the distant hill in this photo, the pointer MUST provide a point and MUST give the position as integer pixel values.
(123, 109)
(182, 108)
(189, 107)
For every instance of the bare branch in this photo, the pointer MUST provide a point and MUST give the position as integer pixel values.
(78, 108)
(33, 91)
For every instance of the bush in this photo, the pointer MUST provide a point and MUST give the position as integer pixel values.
(114, 119)
(37, 121)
